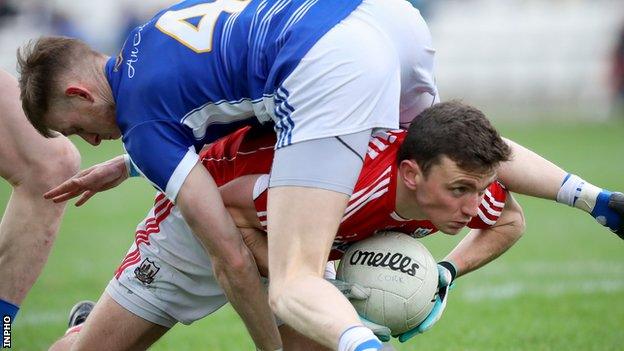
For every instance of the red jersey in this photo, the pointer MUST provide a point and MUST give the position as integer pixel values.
(371, 208)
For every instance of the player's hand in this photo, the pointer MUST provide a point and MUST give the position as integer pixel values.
(382, 332)
(609, 211)
(354, 291)
(90, 181)
(351, 291)
(446, 274)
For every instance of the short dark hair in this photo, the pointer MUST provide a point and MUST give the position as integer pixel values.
(456, 130)
(40, 63)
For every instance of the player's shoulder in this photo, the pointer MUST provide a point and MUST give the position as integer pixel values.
(385, 142)
(491, 207)
(496, 194)
(390, 136)
(380, 157)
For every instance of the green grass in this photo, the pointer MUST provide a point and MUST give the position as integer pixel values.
(560, 288)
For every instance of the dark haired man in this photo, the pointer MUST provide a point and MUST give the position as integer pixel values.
(405, 185)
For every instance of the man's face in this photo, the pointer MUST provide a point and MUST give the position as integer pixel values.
(449, 196)
(81, 118)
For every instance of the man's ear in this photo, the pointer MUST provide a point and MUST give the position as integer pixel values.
(78, 91)
(410, 173)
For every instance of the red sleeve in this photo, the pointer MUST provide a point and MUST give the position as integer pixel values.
(260, 202)
(491, 207)
(246, 151)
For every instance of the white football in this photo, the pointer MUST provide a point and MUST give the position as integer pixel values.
(402, 275)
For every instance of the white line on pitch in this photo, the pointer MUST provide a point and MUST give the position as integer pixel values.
(550, 289)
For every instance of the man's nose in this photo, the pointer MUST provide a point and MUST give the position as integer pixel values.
(471, 205)
(90, 138)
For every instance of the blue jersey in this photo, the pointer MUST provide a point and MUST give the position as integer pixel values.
(200, 69)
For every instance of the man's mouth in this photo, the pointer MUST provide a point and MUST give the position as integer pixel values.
(458, 224)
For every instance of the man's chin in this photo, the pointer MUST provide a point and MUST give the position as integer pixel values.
(450, 230)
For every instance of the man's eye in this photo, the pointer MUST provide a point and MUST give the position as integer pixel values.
(459, 191)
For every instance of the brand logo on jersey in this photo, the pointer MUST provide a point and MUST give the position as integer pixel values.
(134, 53)
(394, 261)
(421, 233)
(146, 271)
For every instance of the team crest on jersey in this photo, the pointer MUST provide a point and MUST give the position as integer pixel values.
(421, 232)
(146, 271)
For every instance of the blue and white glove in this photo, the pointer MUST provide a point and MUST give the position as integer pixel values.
(609, 211)
(446, 274)
(354, 291)
(605, 206)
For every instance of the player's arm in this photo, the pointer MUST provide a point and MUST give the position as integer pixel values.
(238, 197)
(478, 248)
(481, 246)
(530, 174)
(86, 183)
(202, 207)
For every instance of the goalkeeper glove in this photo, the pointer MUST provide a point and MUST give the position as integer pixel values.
(446, 274)
(605, 206)
(609, 211)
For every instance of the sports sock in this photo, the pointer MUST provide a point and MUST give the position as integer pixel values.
(578, 193)
(8, 309)
(358, 338)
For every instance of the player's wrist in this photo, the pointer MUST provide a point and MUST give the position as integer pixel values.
(451, 267)
(130, 168)
(579, 193)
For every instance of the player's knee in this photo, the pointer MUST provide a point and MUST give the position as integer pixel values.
(61, 164)
(282, 294)
(278, 297)
(67, 164)
(64, 343)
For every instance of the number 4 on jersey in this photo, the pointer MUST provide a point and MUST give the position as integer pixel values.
(177, 24)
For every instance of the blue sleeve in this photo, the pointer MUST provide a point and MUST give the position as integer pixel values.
(163, 152)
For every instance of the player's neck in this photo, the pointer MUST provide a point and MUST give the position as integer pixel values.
(102, 88)
(405, 203)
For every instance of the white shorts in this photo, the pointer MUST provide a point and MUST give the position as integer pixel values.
(369, 69)
(167, 277)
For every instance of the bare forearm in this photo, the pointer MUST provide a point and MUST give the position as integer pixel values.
(480, 247)
(256, 241)
(530, 174)
(234, 267)
(240, 280)
(249, 298)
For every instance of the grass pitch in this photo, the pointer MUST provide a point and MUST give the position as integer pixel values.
(561, 287)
